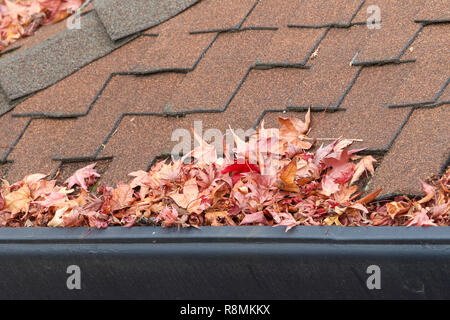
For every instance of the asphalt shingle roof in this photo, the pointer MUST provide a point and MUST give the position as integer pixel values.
(235, 63)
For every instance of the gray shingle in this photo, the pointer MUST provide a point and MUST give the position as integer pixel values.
(50, 61)
(123, 18)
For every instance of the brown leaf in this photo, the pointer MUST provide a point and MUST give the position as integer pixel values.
(122, 197)
(288, 177)
(18, 201)
(365, 164)
(370, 197)
(430, 193)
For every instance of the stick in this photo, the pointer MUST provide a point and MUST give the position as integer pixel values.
(331, 139)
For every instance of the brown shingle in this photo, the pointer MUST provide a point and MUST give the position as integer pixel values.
(220, 72)
(366, 117)
(397, 28)
(330, 74)
(244, 111)
(211, 15)
(420, 151)
(272, 13)
(75, 93)
(11, 128)
(430, 50)
(291, 45)
(124, 94)
(40, 143)
(434, 11)
(174, 49)
(320, 13)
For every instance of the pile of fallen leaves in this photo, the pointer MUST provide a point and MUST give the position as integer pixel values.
(21, 18)
(272, 179)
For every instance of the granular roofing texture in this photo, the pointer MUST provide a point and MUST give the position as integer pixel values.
(123, 18)
(54, 59)
(231, 63)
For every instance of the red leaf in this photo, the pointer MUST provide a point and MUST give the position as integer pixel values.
(238, 168)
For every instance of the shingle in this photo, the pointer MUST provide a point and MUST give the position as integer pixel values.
(175, 50)
(322, 13)
(291, 45)
(5, 105)
(123, 94)
(420, 151)
(11, 128)
(272, 13)
(396, 30)
(432, 70)
(208, 16)
(330, 74)
(366, 117)
(52, 60)
(74, 94)
(434, 11)
(35, 150)
(124, 18)
(220, 72)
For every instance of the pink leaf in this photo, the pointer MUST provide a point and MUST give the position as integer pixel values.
(80, 176)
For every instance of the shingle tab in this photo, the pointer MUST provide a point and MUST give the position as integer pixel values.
(124, 18)
(419, 152)
(50, 61)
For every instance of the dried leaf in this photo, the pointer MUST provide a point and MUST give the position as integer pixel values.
(430, 193)
(83, 177)
(288, 177)
(18, 201)
(365, 164)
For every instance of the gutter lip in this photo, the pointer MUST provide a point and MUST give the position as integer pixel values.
(240, 234)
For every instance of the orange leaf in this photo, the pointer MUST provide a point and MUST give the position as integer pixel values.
(288, 177)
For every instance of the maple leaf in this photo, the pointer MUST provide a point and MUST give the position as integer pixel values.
(342, 169)
(255, 218)
(293, 131)
(122, 197)
(365, 164)
(82, 177)
(52, 199)
(190, 197)
(430, 193)
(288, 177)
(204, 153)
(168, 216)
(142, 180)
(395, 208)
(238, 168)
(329, 186)
(421, 219)
(58, 218)
(18, 201)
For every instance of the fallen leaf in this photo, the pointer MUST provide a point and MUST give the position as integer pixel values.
(288, 177)
(122, 197)
(83, 177)
(18, 201)
(365, 164)
(430, 193)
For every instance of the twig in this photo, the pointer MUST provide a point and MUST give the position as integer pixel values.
(331, 139)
